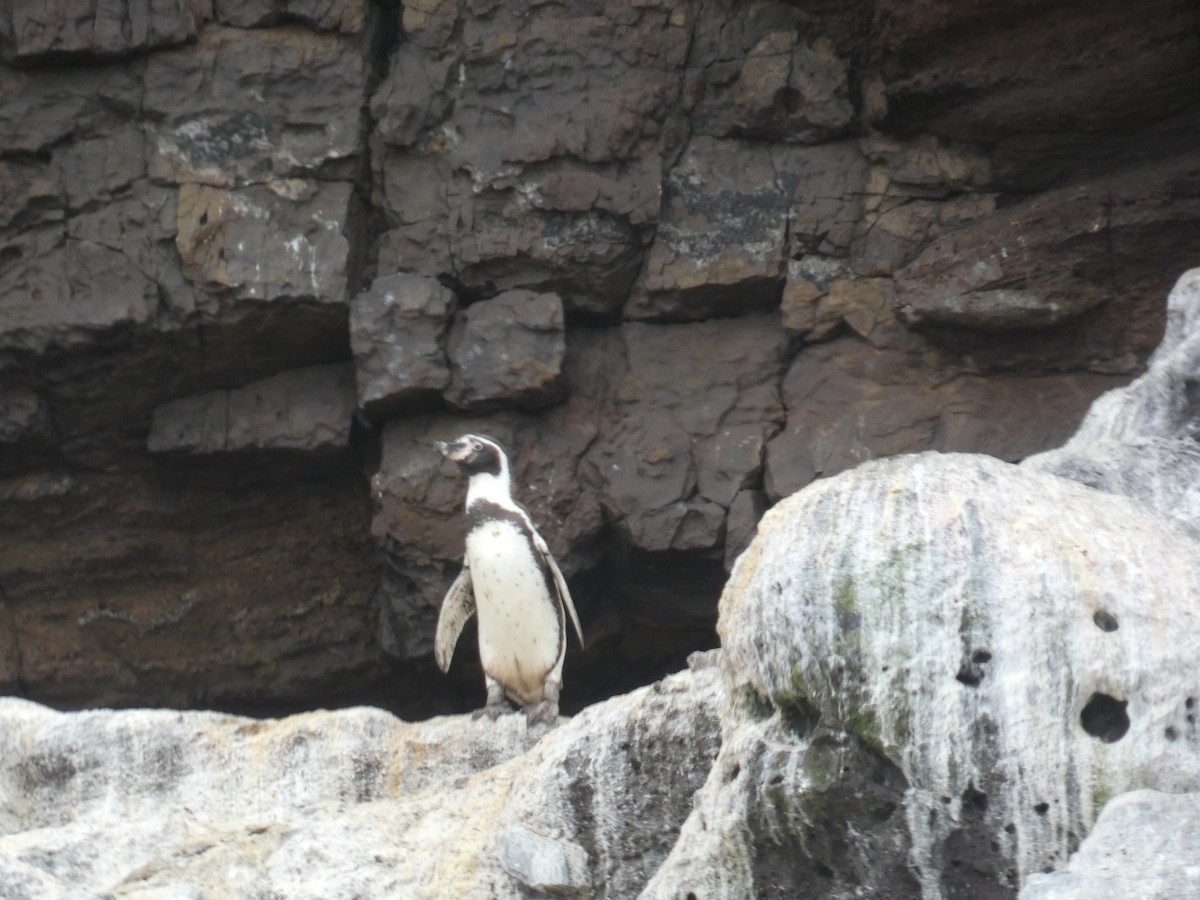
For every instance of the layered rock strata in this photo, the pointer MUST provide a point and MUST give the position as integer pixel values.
(684, 258)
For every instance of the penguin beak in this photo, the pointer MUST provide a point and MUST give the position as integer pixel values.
(455, 451)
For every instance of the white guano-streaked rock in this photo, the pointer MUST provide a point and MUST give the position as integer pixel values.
(352, 803)
(1021, 648)
(1141, 440)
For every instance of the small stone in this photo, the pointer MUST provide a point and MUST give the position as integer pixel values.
(542, 863)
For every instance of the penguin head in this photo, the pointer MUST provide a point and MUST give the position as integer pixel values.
(475, 454)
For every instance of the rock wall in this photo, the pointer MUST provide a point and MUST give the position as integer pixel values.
(682, 258)
(943, 677)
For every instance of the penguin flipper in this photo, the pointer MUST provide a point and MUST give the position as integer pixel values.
(457, 607)
(564, 595)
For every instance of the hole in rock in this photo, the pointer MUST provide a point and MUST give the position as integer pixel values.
(734, 772)
(971, 671)
(1010, 828)
(798, 715)
(691, 895)
(975, 799)
(1171, 734)
(1105, 621)
(1042, 808)
(1104, 718)
(969, 677)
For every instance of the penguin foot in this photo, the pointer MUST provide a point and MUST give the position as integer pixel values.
(546, 710)
(496, 704)
(543, 713)
(492, 711)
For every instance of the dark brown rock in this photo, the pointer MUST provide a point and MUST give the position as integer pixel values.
(283, 240)
(742, 523)
(508, 351)
(244, 106)
(988, 71)
(349, 15)
(558, 203)
(303, 409)
(1053, 258)
(778, 87)
(397, 333)
(682, 435)
(26, 431)
(733, 214)
(38, 33)
(848, 402)
(244, 589)
(59, 291)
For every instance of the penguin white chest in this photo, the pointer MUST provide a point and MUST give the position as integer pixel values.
(520, 624)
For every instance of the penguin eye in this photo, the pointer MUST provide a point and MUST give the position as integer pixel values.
(476, 446)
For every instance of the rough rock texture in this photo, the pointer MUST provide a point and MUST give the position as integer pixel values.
(883, 720)
(768, 241)
(301, 409)
(1145, 844)
(397, 329)
(1141, 440)
(880, 659)
(351, 803)
(508, 350)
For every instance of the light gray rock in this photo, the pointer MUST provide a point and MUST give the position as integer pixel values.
(542, 863)
(352, 803)
(999, 650)
(1145, 846)
(1141, 440)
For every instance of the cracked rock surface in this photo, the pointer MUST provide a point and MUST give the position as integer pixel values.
(681, 258)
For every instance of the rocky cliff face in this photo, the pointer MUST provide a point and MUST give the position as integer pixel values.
(682, 258)
(943, 677)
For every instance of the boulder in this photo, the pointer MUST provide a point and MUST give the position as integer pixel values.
(939, 668)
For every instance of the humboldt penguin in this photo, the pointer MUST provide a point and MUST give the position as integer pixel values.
(510, 579)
